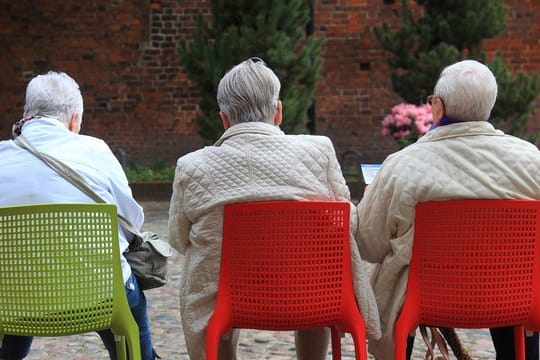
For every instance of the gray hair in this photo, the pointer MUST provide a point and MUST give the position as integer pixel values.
(468, 89)
(249, 92)
(55, 95)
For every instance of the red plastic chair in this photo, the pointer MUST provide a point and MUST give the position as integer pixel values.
(285, 265)
(475, 264)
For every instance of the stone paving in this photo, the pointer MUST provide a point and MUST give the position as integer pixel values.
(167, 331)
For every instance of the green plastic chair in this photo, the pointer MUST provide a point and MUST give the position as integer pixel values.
(60, 273)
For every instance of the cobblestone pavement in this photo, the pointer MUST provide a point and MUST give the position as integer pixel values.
(167, 331)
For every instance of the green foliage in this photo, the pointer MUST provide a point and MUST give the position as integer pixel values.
(272, 30)
(463, 23)
(448, 31)
(514, 100)
(158, 172)
(416, 56)
(416, 85)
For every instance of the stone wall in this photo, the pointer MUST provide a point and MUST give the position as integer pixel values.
(138, 99)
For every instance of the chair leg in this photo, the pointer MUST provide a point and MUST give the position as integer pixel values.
(131, 339)
(519, 342)
(401, 335)
(336, 343)
(360, 348)
(212, 342)
(120, 342)
(134, 346)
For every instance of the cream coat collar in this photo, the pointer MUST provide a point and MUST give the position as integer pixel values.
(258, 128)
(468, 128)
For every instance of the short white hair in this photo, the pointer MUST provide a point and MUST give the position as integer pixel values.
(468, 89)
(54, 94)
(249, 92)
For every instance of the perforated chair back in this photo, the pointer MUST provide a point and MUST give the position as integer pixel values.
(286, 265)
(475, 264)
(60, 273)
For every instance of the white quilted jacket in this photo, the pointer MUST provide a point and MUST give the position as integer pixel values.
(460, 161)
(251, 161)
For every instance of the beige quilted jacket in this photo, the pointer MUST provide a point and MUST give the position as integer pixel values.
(252, 161)
(466, 160)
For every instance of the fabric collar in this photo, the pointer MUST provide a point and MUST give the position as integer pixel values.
(461, 129)
(258, 128)
(445, 120)
(16, 129)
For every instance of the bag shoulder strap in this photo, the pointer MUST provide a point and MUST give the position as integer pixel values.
(70, 175)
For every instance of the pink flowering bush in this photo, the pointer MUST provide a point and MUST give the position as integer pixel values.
(407, 122)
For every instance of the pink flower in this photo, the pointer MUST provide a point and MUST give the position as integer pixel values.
(407, 122)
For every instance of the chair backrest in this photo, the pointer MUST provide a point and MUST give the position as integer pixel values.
(59, 265)
(285, 264)
(475, 264)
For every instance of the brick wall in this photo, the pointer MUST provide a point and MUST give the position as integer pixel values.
(355, 92)
(137, 98)
(520, 43)
(122, 53)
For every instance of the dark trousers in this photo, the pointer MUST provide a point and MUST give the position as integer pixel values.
(503, 341)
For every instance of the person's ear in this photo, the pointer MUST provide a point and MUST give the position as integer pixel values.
(225, 120)
(278, 118)
(73, 125)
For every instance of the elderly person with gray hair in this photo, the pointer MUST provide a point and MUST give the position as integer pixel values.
(253, 160)
(462, 157)
(52, 120)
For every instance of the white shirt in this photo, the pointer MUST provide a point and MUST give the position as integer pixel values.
(25, 179)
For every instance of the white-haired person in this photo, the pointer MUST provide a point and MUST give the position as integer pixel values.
(51, 123)
(253, 160)
(462, 157)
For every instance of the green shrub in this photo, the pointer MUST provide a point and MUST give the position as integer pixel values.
(238, 29)
(157, 172)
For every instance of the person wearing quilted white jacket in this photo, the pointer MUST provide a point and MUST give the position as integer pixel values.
(462, 157)
(253, 160)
